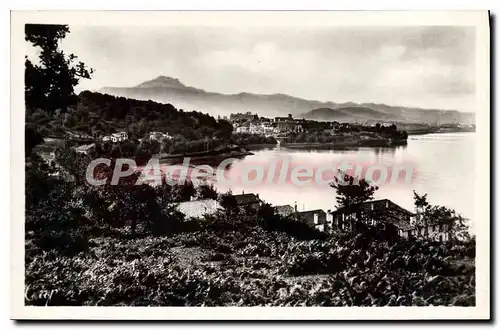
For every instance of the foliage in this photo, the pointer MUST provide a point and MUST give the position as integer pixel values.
(49, 84)
(228, 202)
(55, 216)
(31, 139)
(428, 214)
(206, 191)
(97, 115)
(321, 132)
(251, 267)
(244, 139)
(352, 191)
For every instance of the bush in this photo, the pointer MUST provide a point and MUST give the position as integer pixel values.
(314, 263)
(68, 243)
(293, 228)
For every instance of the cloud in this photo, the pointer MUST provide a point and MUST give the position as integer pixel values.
(416, 66)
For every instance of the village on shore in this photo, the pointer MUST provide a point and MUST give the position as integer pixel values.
(405, 222)
(286, 131)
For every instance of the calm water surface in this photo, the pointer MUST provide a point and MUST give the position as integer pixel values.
(443, 168)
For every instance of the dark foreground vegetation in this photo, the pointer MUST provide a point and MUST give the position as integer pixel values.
(249, 265)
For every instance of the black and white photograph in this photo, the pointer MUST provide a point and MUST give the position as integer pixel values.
(317, 161)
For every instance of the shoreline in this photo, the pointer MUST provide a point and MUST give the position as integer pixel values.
(226, 153)
(346, 145)
(243, 151)
(260, 146)
(439, 131)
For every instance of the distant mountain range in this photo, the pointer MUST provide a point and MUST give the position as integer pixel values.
(170, 90)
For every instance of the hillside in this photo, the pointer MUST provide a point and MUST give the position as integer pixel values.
(99, 114)
(352, 113)
(170, 90)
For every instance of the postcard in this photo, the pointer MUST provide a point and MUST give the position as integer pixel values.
(250, 165)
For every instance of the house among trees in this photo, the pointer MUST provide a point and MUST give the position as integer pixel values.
(313, 218)
(408, 224)
(242, 117)
(438, 232)
(157, 136)
(372, 213)
(284, 210)
(120, 136)
(116, 137)
(248, 201)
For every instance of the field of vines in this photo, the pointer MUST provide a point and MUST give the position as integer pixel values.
(253, 267)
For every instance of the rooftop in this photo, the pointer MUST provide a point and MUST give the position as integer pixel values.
(374, 202)
(309, 216)
(311, 212)
(284, 210)
(246, 199)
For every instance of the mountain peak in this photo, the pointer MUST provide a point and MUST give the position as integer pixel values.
(162, 81)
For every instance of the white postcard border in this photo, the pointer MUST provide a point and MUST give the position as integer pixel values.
(479, 19)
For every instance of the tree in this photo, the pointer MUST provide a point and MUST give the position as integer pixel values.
(228, 202)
(55, 218)
(225, 129)
(352, 191)
(206, 191)
(183, 192)
(31, 139)
(38, 183)
(266, 211)
(420, 202)
(73, 163)
(427, 215)
(49, 85)
(54, 213)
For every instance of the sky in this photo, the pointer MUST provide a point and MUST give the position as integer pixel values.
(428, 67)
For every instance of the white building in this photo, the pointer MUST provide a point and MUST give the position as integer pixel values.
(118, 137)
(199, 207)
(437, 232)
(157, 136)
(260, 129)
(242, 129)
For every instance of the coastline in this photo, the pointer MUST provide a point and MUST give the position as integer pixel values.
(260, 146)
(426, 131)
(242, 151)
(233, 152)
(346, 145)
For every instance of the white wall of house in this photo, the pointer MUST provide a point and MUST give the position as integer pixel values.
(118, 137)
(320, 227)
(434, 232)
(403, 233)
